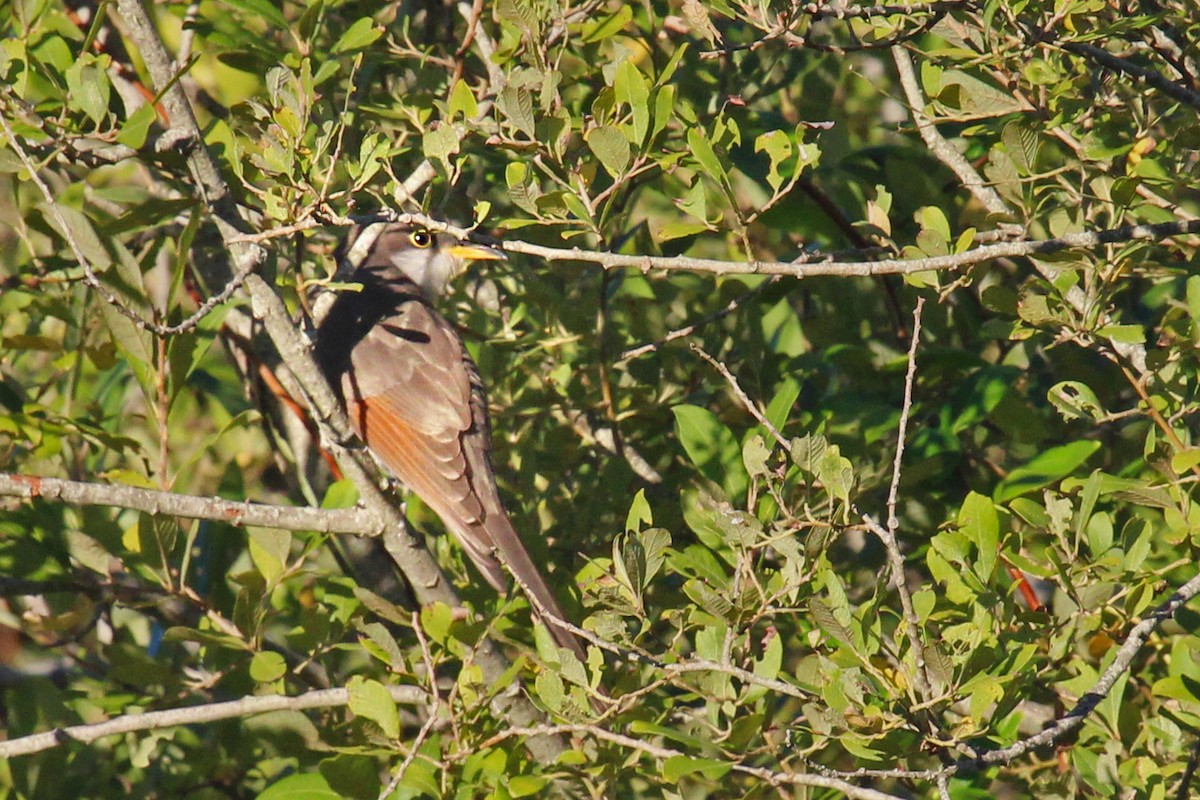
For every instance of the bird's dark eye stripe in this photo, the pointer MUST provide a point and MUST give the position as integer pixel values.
(421, 238)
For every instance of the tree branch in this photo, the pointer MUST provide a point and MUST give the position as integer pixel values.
(1124, 66)
(192, 715)
(945, 152)
(844, 269)
(338, 520)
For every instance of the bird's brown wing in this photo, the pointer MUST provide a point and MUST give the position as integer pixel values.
(416, 399)
(408, 395)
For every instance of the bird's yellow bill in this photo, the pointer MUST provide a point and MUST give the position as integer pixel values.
(476, 252)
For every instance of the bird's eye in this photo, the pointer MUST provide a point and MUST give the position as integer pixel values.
(421, 239)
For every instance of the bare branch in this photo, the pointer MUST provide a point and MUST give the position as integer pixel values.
(889, 266)
(905, 409)
(193, 715)
(340, 520)
(888, 535)
(602, 434)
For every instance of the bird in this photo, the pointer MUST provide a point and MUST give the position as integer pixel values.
(415, 397)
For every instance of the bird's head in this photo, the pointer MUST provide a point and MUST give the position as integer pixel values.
(430, 260)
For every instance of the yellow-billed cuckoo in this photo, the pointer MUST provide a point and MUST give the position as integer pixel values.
(414, 396)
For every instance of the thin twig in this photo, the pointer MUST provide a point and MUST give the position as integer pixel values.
(887, 535)
(187, 36)
(688, 330)
(1148, 76)
(430, 721)
(905, 410)
(1185, 782)
(745, 398)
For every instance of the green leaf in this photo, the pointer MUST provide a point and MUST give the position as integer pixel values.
(526, 785)
(702, 151)
(439, 144)
(678, 230)
(837, 474)
(778, 147)
(669, 69)
(341, 494)
(629, 563)
(979, 522)
(780, 407)
(1099, 532)
(1021, 142)
(361, 34)
(516, 104)
(710, 446)
(633, 89)
(352, 775)
(1185, 460)
(267, 666)
(260, 9)
(639, 513)
(436, 619)
(87, 83)
(1075, 400)
(609, 26)
(932, 218)
(974, 97)
(371, 700)
(1044, 470)
(664, 108)
(755, 455)
(677, 767)
(1124, 334)
(307, 786)
(808, 451)
(207, 638)
(550, 689)
(772, 659)
(655, 542)
(462, 102)
(611, 147)
(269, 549)
(135, 129)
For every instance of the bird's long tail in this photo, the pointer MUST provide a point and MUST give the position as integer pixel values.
(512, 552)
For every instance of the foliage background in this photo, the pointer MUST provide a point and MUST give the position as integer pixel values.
(1049, 449)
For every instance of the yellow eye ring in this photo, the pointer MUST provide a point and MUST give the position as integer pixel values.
(421, 239)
